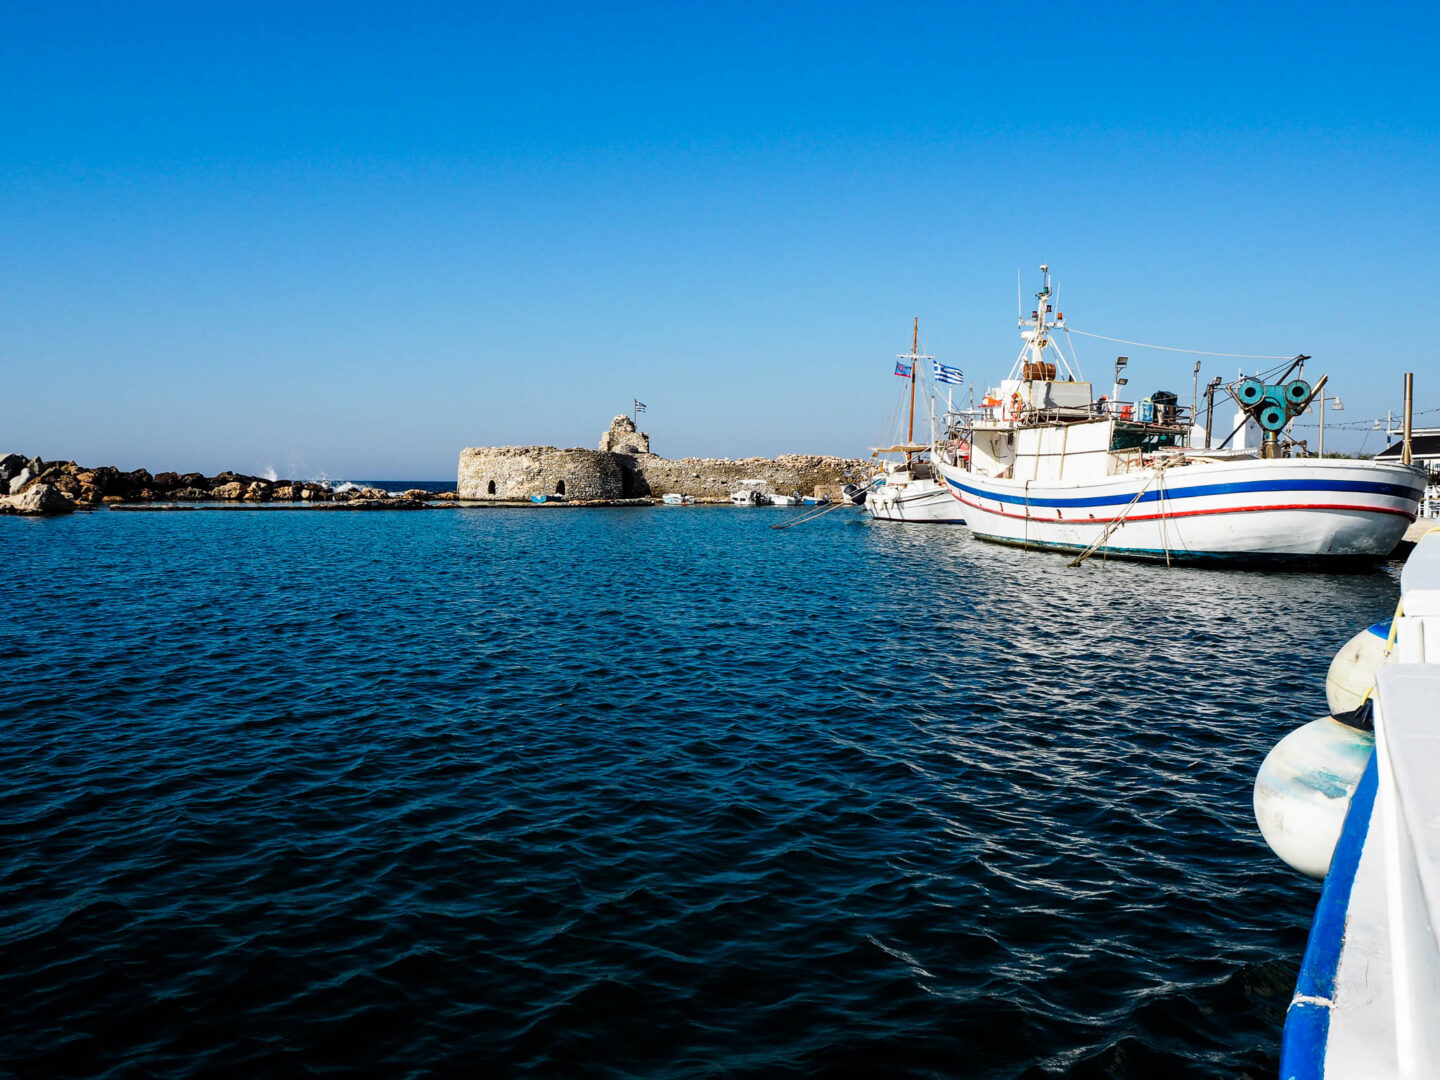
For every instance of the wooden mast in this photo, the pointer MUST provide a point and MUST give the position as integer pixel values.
(914, 352)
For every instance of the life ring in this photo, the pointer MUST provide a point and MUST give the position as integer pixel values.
(1016, 405)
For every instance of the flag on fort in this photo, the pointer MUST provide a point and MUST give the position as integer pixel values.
(902, 369)
(947, 374)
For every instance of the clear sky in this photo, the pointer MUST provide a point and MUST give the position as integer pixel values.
(349, 239)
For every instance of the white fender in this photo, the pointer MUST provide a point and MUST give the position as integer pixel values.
(1303, 790)
(1352, 672)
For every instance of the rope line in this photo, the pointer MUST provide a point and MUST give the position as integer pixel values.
(1172, 348)
(1157, 471)
(821, 511)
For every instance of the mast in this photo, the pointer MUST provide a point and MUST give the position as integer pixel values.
(914, 357)
(914, 349)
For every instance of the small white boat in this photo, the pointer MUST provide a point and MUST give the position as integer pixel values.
(816, 500)
(910, 490)
(784, 500)
(750, 494)
(677, 500)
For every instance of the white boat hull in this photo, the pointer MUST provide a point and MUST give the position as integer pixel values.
(1265, 510)
(915, 500)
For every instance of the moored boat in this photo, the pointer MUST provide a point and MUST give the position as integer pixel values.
(750, 493)
(1052, 468)
(910, 490)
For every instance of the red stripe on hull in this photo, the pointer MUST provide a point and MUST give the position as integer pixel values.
(1186, 513)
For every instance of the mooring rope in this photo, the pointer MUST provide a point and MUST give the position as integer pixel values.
(821, 511)
(1156, 470)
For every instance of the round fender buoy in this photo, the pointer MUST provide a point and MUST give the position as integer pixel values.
(1352, 672)
(1303, 790)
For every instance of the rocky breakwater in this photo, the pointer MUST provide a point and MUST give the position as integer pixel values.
(66, 486)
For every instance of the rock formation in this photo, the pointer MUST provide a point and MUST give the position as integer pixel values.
(36, 499)
(84, 487)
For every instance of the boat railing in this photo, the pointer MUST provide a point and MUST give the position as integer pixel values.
(1146, 413)
(1142, 413)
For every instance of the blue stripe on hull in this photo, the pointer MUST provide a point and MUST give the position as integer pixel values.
(1307, 1022)
(1172, 495)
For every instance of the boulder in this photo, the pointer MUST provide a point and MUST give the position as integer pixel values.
(38, 499)
(232, 490)
(89, 495)
(166, 481)
(20, 479)
(373, 493)
(416, 495)
(10, 466)
(447, 496)
(257, 491)
(284, 493)
(190, 493)
(193, 480)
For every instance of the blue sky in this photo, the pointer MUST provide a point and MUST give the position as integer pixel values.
(350, 239)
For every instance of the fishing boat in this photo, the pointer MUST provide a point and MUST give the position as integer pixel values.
(910, 490)
(816, 500)
(1052, 467)
(677, 500)
(784, 500)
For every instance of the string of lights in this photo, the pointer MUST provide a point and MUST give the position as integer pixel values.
(1362, 424)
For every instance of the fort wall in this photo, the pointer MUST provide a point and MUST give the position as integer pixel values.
(518, 472)
(623, 469)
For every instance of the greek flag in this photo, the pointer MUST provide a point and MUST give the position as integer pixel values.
(947, 374)
(639, 406)
(902, 369)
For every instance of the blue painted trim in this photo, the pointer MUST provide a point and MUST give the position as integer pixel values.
(1382, 629)
(1175, 494)
(1307, 1023)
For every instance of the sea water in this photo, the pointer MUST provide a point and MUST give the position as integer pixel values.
(659, 792)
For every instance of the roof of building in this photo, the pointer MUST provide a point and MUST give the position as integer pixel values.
(1421, 446)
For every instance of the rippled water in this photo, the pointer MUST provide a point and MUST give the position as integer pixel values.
(658, 792)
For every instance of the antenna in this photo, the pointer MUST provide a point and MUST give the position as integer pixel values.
(1019, 305)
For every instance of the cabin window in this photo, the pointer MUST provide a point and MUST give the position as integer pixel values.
(490, 488)
(560, 488)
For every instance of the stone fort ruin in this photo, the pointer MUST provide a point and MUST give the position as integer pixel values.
(624, 468)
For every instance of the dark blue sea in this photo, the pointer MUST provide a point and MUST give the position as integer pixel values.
(639, 792)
